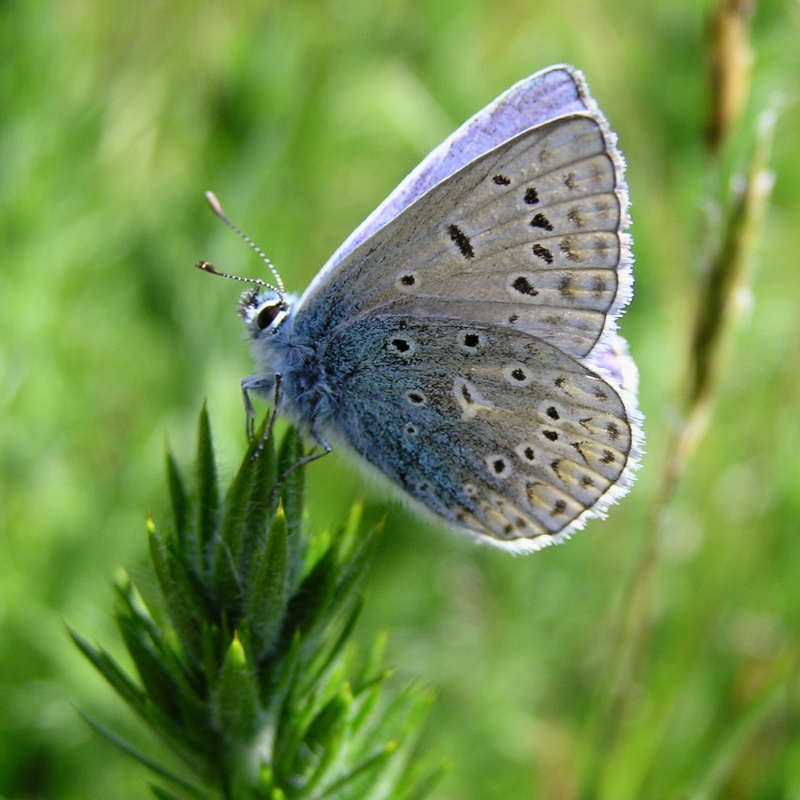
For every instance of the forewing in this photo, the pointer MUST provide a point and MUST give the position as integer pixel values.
(550, 93)
(528, 236)
(502, 435)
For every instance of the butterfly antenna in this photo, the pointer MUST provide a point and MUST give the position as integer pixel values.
(216, 207)
(206, 267)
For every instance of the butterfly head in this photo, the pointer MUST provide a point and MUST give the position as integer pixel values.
(264, 307)
(263, 310)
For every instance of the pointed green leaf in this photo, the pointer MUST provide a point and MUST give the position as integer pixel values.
(285, 678)
(292, 490)
(103, 662)
(152, 765)
(236, 702)
(367, 700)
(158, 556)
(268, 592)
(283, 702)
(312, 600)
(145, 650)
(352, 527)
(228, 544)
(330, 718)
(192, 697)
(402, 720)
(331, 761)
(320, 602)
(228, 586)
(368, 767)
(181, 509)
(207, 485)
(214, 648)
(294, 753)
(132, 602)
(260, 510)
(196, 748)
(352, 578)
(184, 605)
(336, 648)
(374, 661)
(326, 742)
(245, 634)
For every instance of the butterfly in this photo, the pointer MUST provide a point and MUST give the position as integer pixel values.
(462, 341)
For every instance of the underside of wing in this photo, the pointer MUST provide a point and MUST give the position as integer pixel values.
(504, 436)
(529, 237)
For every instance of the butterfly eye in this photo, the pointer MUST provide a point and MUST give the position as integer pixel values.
(267, 315)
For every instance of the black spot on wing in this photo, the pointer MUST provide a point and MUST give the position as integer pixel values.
(540, 221)
(461, 241)
(499, 465)
(540, 251)
(524, 286)
(531, 196)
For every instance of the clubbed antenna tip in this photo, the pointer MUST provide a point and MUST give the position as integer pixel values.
(216, 207)
(207, 267)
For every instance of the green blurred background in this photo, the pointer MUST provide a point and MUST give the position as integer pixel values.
(302, 116)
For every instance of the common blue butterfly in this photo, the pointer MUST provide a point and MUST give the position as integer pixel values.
(463, 340)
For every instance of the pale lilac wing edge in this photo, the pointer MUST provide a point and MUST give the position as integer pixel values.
(543, 96)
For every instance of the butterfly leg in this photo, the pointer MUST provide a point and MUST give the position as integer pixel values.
(302, 462)
(251, 384)
(263, 387)
(255, 385)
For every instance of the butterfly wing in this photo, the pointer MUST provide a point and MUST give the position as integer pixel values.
(463, 343)
(545, 95)
(528, 236)
(499, 433)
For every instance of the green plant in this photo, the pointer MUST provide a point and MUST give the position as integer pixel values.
(249, 677)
